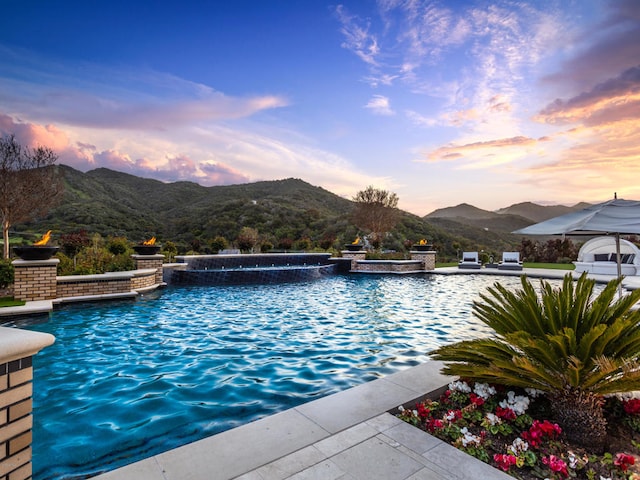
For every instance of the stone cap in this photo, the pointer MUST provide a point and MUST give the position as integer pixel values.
(16, 343)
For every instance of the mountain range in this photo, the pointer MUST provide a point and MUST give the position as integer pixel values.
(114, 203)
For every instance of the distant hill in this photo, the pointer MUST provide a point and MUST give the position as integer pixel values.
(113, 203)
(538, 213)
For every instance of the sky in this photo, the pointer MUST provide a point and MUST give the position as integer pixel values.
(489, 103)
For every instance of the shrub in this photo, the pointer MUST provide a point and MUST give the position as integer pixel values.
(6, 273)
(218, 243)
(567, 342)
(118, 245)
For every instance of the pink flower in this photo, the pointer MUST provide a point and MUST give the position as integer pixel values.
(540, 431)
(505, 461)
(556, 465)
(632, 407)
(623, 461)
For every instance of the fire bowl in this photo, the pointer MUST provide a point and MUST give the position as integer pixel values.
(421, 248)
(146, 249)
(353, 247)
(35, 252)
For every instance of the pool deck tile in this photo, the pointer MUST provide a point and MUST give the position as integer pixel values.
(346, 436)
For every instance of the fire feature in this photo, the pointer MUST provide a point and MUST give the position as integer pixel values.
(38, 251)
(147, 247)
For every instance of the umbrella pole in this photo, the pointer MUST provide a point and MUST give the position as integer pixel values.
(618, 264)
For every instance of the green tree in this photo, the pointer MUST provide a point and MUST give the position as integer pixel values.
(218, 243)
(567, 342)
(376, 212)
(29, 184)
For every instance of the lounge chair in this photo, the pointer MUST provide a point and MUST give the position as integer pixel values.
(510, 261)
(469, 260)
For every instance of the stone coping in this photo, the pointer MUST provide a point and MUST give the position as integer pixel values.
(389, 262)
(35, 263)
(16, 343)
(102, 277)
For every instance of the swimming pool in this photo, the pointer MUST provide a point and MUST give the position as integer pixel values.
(126, 380)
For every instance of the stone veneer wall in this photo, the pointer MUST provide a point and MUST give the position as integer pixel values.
(106, 283)
(35, 280)
(82, 288)
(150, 261)
(354, 256)
(397, 266)
(17, 348)
(427, 258)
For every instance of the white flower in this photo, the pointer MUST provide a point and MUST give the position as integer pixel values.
(469, 438)
(518, 446)
(517, 403)
(484, 390)
(401, 408)
(493, 419)
(604, 478)
(459, 386)
(451, 415)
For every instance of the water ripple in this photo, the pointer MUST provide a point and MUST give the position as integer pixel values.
(129, 379)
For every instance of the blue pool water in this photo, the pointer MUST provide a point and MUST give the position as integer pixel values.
(126, 380)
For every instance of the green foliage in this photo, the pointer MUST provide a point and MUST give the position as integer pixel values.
(567, 342)
(6, 273)
(304, 244)
(169, 250)
(94, 260)
(266, 246)
(218, 243)
(564, 338)
(118, 245)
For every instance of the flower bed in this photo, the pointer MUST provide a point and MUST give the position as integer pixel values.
(512, 430)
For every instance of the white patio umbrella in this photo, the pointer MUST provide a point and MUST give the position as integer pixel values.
(614, 217)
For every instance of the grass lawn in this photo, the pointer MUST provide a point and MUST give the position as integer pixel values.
(10, 302)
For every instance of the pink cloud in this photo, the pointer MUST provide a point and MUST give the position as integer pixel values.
(453, 152)
(85, 156)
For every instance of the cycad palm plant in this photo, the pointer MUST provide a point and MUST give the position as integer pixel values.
(568, 342)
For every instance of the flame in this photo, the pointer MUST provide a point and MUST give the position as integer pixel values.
(356, 241)
(423, 242)
(44, 240)
(151, 241)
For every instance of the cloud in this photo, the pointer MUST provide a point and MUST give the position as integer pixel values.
(129, 99)
(615, 99)
(380, 105)
(357, 36)
(613, 45)
(490, 148)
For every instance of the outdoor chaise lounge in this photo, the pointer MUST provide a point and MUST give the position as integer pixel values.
(598, 256)
(469, 260)
(510, 261)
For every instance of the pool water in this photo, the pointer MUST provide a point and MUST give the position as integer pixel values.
(129, 379)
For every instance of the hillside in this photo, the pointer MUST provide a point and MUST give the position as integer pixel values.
(538, 213)
(113, 203)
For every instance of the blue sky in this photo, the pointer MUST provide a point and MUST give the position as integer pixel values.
(483, 102)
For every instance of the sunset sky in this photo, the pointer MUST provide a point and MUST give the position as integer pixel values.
(485, 102)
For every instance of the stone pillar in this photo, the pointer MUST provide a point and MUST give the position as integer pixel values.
(427, 258)
(150, 261)
(355, 256)
(17, 348)
(35, 280)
